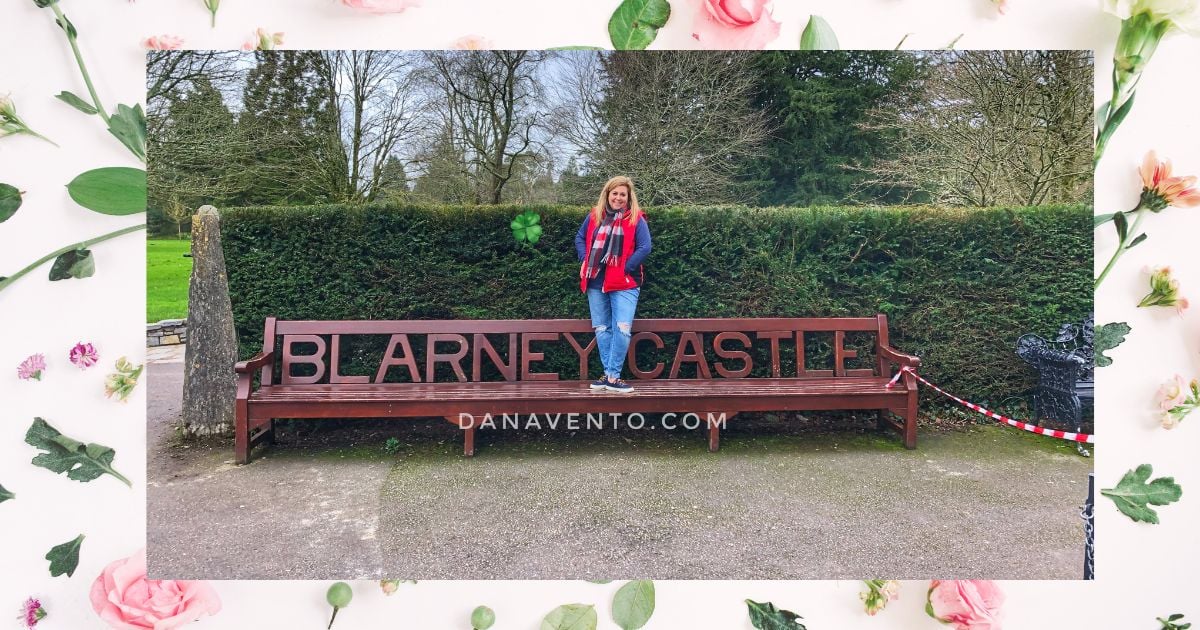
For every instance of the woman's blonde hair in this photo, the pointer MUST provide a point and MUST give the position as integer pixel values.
(635, 211)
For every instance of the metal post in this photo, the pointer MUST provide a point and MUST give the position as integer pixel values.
(1089, 530)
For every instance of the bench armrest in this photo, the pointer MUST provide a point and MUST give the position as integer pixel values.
(255, 362)
(895, 356)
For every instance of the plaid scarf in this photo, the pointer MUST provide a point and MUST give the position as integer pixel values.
(606, 247)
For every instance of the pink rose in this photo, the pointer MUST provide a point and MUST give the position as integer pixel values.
(735, 24)
(163, 42)
(126, 600)
(382, 6)
(968, 604)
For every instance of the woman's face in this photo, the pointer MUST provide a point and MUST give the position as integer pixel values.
(618, 198)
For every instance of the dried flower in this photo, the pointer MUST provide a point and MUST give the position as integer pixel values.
(263, 40)
(1143, 25)
(84, 355)
(381, 6)
(471, 42)
(1177, 400)
(122, 382)
(31, 367)
(11, 124)
(32, 612)
(1164, 290)
(879, 593)
(391, 586)
(1159, 190)
(162, 42)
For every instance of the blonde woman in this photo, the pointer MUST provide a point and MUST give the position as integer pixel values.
(611, 245)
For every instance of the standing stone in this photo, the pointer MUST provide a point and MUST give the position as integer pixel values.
(209, 383)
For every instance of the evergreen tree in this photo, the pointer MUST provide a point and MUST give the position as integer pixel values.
(815, 102)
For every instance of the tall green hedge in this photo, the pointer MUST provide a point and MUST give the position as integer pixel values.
(959, 286)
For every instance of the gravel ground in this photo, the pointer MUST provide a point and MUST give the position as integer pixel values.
(785, 498)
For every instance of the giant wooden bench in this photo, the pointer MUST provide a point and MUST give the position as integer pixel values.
(722, 386)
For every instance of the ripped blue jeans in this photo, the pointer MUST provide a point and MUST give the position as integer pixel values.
(612, 319)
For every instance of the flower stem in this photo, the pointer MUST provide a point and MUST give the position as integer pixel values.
(4, 282)
(1121, 247)
(87, 79)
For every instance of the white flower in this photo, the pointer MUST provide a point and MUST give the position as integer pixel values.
(1184, 14)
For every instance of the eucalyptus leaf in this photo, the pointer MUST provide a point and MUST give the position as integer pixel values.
(128, 124)
(571, 617)
(115, 190)
(600, 581)
(76, 102)
(5, 495)
(1109, 336)
(82, 462)
(633, 604)
(765, 616)
(819, 35)
(64, 558)
(10, 201)
(77, 263)
(635, 23)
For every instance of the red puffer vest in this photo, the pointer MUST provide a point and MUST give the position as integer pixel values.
(615, 278)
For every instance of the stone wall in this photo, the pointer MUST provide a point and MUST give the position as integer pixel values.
(168, 332)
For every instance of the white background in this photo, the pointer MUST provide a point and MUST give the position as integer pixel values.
(1144, 571)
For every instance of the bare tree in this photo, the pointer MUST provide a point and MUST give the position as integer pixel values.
(492, 107)
(377, 102)
(993, 128)
(679, 123)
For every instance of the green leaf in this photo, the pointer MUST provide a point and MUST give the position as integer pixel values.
(633, 604)
(128, 124)
(818, 35)
(599, 581)
(1133, 494)
(525, 227)
(636, 22)
(76, 102)
(1109, 336)
(1137, 239)
(571, 617)
(115, 190)
(1101, 219)
(1111, 124)
(1122, 226)
(482, 618)
(81, 462)
(765, 616)
(10, 200)
(5, 495)
(64, 558)
(77, 263)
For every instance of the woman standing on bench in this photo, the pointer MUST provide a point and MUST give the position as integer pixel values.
(611, 245)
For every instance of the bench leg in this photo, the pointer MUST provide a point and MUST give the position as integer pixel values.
(241, 433)
(469, 442)
(714, 432)
(910, 422)
(269, 435)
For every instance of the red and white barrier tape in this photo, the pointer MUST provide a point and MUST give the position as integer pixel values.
(1063, 435)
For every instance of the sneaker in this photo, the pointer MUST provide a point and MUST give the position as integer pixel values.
(600, 384)
(619, 386)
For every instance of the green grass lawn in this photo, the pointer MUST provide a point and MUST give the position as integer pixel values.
(167, 273)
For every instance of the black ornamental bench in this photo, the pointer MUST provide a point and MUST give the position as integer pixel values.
(709, 372)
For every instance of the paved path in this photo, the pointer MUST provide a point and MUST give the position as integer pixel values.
(773, 504)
